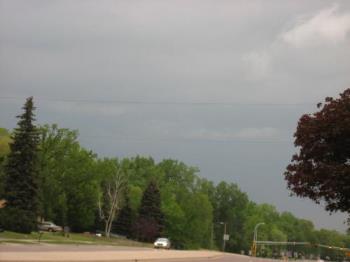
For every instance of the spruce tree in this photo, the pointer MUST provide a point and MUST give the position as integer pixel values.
(21, 181)
(150, 222)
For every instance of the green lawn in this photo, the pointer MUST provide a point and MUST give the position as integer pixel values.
(74, 238)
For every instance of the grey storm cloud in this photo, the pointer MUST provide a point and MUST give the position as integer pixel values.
(215, 83)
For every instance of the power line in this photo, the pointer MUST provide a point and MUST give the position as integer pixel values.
(143, 102)
(183, 139)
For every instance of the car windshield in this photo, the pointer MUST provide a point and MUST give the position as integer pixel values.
(162, 239)
(48, 223)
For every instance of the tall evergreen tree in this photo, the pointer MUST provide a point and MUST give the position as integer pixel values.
(21, 181)
(150, 222)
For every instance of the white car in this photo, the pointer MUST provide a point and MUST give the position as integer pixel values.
(162, 243)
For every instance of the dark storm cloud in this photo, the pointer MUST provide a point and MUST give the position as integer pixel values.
(259, 64)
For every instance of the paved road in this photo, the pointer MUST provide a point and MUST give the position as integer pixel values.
(62, 247)
(92, 253)
(95, 253)
(224, 258)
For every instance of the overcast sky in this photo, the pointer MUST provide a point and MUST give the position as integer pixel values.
(216, 84)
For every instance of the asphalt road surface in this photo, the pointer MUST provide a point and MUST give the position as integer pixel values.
(96, 253)
(222, 258)
(63, 248)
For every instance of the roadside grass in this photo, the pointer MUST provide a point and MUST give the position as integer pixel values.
(74, 238)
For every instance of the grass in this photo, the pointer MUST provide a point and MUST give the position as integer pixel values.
(74, 238)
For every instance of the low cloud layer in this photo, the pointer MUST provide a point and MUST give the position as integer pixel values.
(329, 25)
(248, 133)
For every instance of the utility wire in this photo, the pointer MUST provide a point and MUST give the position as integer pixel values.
(184, 139)
(143, 102)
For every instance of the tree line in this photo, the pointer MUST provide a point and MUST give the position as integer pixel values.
(46, 173)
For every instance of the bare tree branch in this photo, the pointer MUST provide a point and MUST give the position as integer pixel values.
(113, 188)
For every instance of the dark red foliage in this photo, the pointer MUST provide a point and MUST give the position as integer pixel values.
(146, 229)
(321, 169)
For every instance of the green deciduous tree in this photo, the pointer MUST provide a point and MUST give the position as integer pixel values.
(174, 219)
(81, 189)
(140, 170)
(21, 175)
(135, 196)
(69, 181)
(56, 146)
(181, 189)
(199, 216)
(5, 140)
(230, 206)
